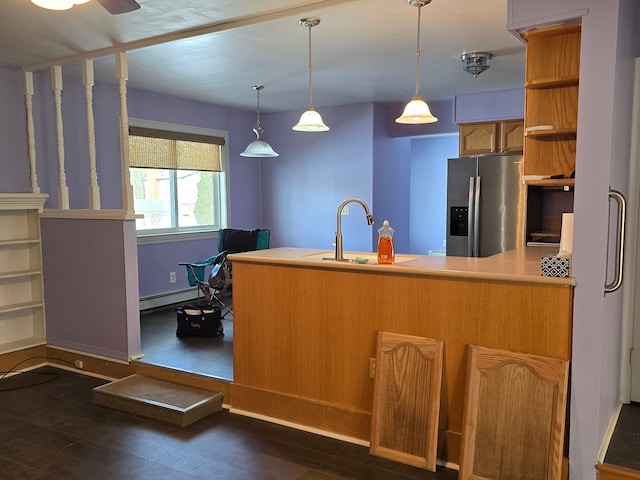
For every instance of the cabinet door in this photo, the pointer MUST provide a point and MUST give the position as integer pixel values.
(514, 416)
(512, 136)
(406, 402)
(478, 138)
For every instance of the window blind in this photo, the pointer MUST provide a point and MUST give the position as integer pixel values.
(153, 148)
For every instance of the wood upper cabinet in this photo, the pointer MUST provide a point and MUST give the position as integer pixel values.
(478, 138)
(512, 136)
(551, 100)
(491, 137)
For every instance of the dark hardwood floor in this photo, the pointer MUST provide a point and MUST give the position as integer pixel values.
(624, 447)
(205, 356)
(53, 431)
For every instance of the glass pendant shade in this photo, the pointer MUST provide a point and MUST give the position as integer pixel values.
(259, 148)
(57, 4)
(417, 111)
(310, 121)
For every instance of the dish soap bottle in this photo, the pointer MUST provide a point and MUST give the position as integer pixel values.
(386, 252)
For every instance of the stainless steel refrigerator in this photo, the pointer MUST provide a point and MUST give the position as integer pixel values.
(486, 205)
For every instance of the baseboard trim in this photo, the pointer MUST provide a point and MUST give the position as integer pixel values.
(302, 411)
(298, 426)
(604, 446)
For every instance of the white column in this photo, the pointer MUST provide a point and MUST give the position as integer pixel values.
(94, 189)
(56, 85)
(127, 189)
(31, 138)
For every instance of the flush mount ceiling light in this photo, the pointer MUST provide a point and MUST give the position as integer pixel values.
(57, 4)
(417, 111)
(476, 62)
(114, 7)
(259, 148)
(310, 120)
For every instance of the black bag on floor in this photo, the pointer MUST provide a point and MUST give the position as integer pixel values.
(199, 321)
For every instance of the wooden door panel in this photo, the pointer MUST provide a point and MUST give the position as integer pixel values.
(514, 416)
(406, 401)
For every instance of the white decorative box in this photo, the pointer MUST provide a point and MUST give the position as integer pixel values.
(555, 267)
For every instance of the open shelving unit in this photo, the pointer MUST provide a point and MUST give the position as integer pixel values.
(552, 81)
(21, 287)
(551, 101)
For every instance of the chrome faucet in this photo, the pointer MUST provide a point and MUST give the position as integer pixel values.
(339, 253)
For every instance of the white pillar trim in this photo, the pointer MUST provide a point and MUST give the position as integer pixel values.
(63, 189)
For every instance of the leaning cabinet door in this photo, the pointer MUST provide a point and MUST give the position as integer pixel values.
(514, 416)
(406, 401)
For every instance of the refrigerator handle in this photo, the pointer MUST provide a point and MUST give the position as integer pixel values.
(470, 217)
(476, 218)
(622, 213)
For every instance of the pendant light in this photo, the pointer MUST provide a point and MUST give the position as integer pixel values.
(259, 148)
(57, 4)
(417, 111)
(310, 120)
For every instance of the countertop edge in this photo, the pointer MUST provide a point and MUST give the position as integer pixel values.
(514, 266)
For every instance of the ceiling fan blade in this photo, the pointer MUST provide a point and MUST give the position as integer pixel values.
(119, 6)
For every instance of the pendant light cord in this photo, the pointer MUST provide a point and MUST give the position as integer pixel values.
(418, 53)
(310, 79)
(258, 88)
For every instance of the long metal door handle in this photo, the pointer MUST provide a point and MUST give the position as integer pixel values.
(470, 219)
(476, 219)
(620, 234)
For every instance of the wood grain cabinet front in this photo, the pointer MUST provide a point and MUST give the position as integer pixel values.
(491, 137)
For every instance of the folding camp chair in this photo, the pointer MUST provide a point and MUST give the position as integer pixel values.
(219, 281)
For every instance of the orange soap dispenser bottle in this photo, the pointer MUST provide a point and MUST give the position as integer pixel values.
(386, 252)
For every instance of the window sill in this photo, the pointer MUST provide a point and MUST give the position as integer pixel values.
(150, 239)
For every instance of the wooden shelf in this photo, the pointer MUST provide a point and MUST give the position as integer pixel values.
(556, 132)
(552, 182)
(553, 82)
(19, 274)
(17, 307)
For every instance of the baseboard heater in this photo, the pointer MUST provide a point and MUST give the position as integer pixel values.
(168, 298)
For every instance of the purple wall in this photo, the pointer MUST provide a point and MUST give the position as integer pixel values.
(315, 172)
(496, 105)
(391, 172)
(88, 296)
(14, 164)
(428, 184)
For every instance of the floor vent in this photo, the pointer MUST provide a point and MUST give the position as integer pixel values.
(168, 402)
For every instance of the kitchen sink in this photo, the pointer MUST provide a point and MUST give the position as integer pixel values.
(350, 257)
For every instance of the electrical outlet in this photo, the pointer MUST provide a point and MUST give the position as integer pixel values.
(345, 210)
(372, 368)
(172, 277)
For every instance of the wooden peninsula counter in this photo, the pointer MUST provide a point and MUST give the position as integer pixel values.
(305, 328)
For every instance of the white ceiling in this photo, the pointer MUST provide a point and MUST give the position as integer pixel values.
(363, 50)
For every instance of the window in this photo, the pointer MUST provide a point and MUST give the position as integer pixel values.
(178, 177)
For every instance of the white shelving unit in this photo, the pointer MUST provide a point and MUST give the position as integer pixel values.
(21, 287)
